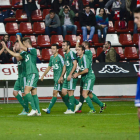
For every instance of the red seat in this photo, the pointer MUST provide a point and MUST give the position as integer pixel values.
(16, 6)
(79, 30)
(33, 39)
(125, 39)
(26, 28)
(60, 51)
(131, 26)
(21, 16)
(10, 18)
(85, 2)
(39, 27)
(1, 37)
(136, 39)
(111, 28)
(99, 50)
(118, 29)
(38, 54)
(95, 40)
(43, 41)
(119, 50)
(12, 28)
(46, 54)
(131, 53)
(37, 15)
(7, 4)
(93, 52)
(72, 39)
(45, 12)
(13, 39)
(57, 39)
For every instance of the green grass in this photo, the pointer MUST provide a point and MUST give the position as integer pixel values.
(118, 122)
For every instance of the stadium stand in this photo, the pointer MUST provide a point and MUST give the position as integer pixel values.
(39, 27)
(43, 41)
(26, 28)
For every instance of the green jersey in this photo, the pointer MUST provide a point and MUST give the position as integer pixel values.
(84, 63)
(89, 55)
(21, 69)
(30, 60)
(69, 58)
(57, 64)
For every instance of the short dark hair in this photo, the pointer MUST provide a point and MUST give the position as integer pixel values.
(27, 38)
(56, 45)
(137, 10)
(86, 6)
(82, 47)
(16, 41)
(52, 11)
(68, 42)
(66, 7)
(87, 43)
(109, 43)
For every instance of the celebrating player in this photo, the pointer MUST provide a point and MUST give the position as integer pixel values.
(57, 63)
(87, 76)
(29, 55)
(93, 97)
(69, 84)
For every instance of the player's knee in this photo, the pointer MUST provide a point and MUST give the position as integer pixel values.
(54, 93)
(90, 95)
(64, 92)
(84, 94)
(15, 93)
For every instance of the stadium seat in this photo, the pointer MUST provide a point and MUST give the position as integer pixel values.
(13, 39)
(2, 28)
(46, 54)
(45, 12)
(57, 39)
(131, 53)
(5, 4)
(79, 30)
(38, 54)
(43, 41)
(113, 38)
(9, 19)
(37, 15)
(99, 50)
(26, 28)
(131, 26)
(125, 39)
(21, 16)
(85, 2)
(92, 9)
(33, 39)
(135, 39)
(111, 28)
(72, 39)
(16, 1)
(39, 27)
(73, 49)
(60, 51)
(95, 40)
(119, 50)
(1, 37)
(93, 52)
(118, 29)
(12, 28)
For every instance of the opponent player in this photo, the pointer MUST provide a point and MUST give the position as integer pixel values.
(87, 76)
(69, 84)
(137, 99)
(21, 81)
(93, 97)
(30, 56)
(57, 63)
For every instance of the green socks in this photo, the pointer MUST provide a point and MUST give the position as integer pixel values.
(19, 98)
(72, 102)
(26, 104)
(88, 100)
(66, 100)
(53, 100)
(82, 101)
(76, 101)
(29, 98)
(36, 102)
(96, 100)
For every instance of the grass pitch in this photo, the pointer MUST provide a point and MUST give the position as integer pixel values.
(118, 122)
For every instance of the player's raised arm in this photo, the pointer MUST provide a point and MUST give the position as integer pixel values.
(46, 71)
(11, 52)
(20, 43)
(78, 38)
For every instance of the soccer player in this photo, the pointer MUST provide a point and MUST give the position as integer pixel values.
(69, 84)
(137, 98)
(21, 81)
(57, 63)
(30, 56)
(93, 97)
(87, 76)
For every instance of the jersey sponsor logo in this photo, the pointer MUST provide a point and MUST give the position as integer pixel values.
(113, 69)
